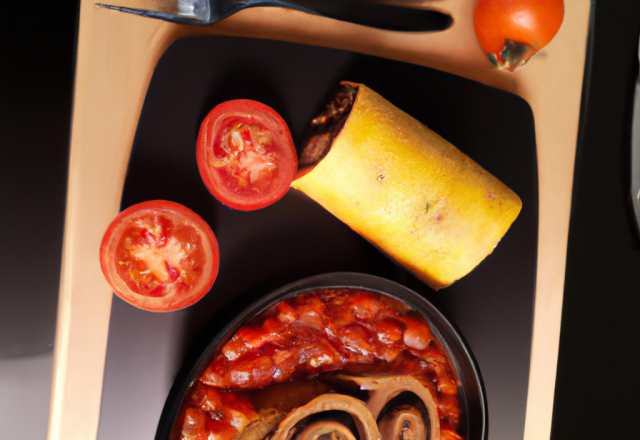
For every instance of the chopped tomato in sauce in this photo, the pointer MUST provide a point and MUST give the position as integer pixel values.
(351, 330)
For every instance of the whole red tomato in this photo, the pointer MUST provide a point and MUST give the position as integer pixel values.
(159, 256)
(246, 155)
(511, 31)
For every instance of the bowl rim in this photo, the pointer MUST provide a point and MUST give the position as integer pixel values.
(471, 393)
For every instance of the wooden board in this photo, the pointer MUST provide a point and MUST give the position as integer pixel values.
(117, 54)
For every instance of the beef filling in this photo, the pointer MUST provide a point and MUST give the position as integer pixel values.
(325, 127)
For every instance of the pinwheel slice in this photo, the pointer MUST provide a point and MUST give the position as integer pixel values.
(383, 389)
(403, 423)
(364, 421)
(326, 430)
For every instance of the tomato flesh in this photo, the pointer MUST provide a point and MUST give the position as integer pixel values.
(156, 267)
(245, 157)
(159, 250)
(245, 154)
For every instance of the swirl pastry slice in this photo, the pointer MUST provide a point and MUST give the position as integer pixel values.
(326, 430)
(260, 429)
(364, 421)
(383, 389)
(403, 423)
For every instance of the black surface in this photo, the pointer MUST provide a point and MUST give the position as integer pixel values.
(598, 384)
(37, 43)
(473, 417)
(295, 238)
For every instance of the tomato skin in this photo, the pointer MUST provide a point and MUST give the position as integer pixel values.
(530, 24)
(228, 174)
(173, 283)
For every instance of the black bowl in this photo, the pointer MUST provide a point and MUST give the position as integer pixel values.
(473, 418)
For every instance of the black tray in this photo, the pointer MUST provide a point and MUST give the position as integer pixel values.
(296, 238)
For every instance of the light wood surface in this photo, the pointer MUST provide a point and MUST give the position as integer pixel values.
(116, 56)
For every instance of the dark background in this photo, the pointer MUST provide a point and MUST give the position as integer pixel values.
(597, 383)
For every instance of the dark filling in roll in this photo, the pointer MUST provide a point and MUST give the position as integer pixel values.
(326, 126)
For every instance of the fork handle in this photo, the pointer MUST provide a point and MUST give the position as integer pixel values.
(362, 12)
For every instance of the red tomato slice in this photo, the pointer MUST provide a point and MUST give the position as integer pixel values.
(246, 155)
(159, 256)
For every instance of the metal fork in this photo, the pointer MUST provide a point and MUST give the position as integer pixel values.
(389, 16)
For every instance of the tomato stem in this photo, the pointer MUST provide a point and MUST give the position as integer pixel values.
(513, 56)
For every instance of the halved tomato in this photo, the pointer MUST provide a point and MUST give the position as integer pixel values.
(159, 256)
(246, 155)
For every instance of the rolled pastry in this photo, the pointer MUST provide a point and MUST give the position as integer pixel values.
(383, 389)
(326, 430)
(405, 189)
(403, 423)
(365, 423)
(259, 429)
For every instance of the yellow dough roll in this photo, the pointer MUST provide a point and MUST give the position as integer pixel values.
(410, 192)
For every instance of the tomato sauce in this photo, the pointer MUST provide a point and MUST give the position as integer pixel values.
(305, 338)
